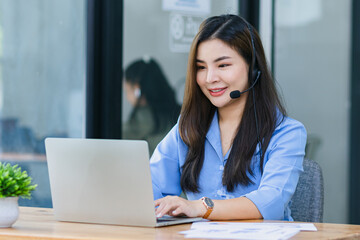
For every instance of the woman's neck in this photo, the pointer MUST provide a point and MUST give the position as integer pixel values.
(229, 120)
(142, 102)
(233, 112)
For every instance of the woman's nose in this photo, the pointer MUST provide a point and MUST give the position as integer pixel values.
(212, 76)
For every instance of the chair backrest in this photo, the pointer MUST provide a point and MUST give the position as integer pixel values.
(307, 204)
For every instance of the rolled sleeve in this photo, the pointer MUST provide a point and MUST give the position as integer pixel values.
(164, 166)
(282, 169)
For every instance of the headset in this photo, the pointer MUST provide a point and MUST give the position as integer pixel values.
(255, 71)
(255, 75)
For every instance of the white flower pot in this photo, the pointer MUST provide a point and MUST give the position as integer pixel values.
(9, 211)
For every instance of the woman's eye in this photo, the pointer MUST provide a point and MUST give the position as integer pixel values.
(224, 65)
(200, 67)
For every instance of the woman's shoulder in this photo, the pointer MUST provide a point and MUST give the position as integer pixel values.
(173, 136)
(140, 125)
(143, 112)
(289, 129)
(283, 121)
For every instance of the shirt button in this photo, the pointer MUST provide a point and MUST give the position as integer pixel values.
(221, 167)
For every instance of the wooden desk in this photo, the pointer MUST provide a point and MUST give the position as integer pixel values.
(39, 223)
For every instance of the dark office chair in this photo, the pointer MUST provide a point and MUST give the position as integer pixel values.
(308, 200)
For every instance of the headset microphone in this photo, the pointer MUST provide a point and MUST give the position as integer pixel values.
(237, 93)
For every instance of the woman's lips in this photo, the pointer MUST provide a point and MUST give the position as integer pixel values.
(215, 92)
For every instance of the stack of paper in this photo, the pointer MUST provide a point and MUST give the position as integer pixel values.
(231, 230)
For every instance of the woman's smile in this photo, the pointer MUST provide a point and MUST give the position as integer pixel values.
(215, 92)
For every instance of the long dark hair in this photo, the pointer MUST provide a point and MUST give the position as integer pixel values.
(155, 88)
(197, 111)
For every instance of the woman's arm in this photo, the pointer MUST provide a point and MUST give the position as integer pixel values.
(236, 208)
(165, 167)
(285, 155)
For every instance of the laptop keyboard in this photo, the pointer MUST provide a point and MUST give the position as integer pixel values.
(168, 218)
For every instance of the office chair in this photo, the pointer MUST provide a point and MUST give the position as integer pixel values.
(307, 204)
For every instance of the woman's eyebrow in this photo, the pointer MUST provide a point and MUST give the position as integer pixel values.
(216, 60)
(221, 58)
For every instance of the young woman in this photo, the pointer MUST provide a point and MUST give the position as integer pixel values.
(235, 157)
(155, 109)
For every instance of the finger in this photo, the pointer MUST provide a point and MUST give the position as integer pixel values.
(167, 209)
(162, 208)
(166, 205)
(178, 211)
(157, 202)
(159, 208)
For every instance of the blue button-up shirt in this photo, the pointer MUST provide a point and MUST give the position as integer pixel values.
(271, 191)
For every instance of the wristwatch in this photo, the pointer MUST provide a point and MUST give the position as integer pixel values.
(209, 204)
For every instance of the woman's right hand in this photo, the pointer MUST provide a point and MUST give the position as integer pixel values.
(177, 206)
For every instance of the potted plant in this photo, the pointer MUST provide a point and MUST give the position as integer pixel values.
(14, 183)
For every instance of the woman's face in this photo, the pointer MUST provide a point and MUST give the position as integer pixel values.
(220, 70)
(130, 90)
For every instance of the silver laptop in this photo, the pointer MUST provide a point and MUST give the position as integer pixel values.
(103, 181)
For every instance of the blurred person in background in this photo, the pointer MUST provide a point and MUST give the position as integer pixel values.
(155, 109)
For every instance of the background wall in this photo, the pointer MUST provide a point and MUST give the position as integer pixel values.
(312, 66)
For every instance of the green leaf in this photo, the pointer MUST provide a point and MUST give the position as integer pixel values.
(14, 182)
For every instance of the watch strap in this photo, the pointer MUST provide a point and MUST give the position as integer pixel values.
(208, 208)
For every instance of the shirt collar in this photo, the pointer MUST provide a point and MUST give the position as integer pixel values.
(213, 135)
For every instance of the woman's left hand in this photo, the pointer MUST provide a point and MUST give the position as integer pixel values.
(177, 206)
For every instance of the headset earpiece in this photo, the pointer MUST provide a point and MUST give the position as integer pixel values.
(137, 92)
(256, 75)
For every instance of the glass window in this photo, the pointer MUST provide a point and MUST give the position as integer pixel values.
(42, 76)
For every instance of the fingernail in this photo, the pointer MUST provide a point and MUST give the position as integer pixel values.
(159, 215)
(174, 212)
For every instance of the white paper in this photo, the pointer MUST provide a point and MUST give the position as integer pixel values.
(249, 234)
(231, 230)
(237, 225)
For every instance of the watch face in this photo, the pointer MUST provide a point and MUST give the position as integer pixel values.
(209, 202)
